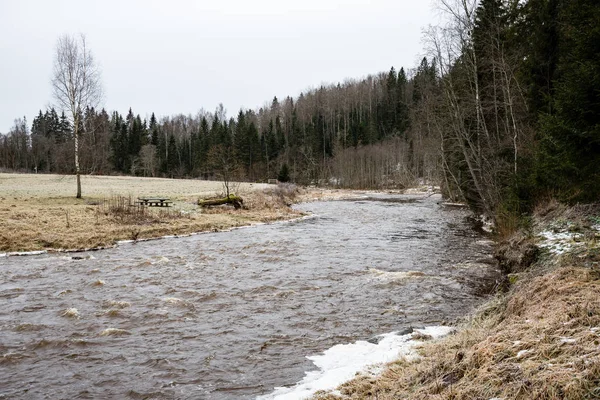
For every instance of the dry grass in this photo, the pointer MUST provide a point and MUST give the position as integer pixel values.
(95, 187)
(40, 211)
(538, 344)
(541, 340)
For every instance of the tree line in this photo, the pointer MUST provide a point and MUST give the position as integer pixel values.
(503, 110)
(516, 102)
(313, 137)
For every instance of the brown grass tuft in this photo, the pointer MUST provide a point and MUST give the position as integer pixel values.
(543, 347)
(516, 253)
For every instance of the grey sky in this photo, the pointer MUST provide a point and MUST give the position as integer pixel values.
(172, 57)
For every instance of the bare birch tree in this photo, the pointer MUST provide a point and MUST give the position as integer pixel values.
(76, 85)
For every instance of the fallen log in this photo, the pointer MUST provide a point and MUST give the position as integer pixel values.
(236, 201)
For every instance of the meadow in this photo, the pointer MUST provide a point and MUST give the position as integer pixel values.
(40, 211)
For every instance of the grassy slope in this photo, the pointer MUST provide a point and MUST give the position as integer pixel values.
(539, 340)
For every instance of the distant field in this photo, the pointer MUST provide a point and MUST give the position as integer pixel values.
(39, 211)
(51, 186)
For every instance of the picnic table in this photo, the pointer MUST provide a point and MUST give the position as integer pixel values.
(154, 201)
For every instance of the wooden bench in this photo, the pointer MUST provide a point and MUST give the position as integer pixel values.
(154, 201)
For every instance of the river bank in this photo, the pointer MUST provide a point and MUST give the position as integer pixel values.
(39, 213)
(539, 338)
(232, 315)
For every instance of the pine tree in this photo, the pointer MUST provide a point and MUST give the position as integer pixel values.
(390, 108)
(119, 144)
(136, 135)
(242, 143)
(570, 152)
(172, 159)
(204, 145)
(254, 155)
(64, 131)
(284, 173)
(271, 147)
(55, 126)
(402, 115)
(153, 130)
(161, 153)
(541, 27)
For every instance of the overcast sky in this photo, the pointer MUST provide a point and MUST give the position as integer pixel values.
(179, 56)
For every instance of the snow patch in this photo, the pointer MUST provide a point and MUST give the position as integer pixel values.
(559, 242)
(487, 224)
(342, 362)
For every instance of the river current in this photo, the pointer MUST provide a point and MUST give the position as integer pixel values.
(231, 315)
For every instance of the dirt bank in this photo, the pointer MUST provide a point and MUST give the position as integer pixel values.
(540, 339)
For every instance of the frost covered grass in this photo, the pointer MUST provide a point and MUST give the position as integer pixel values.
(538, 340)
(559, 242)
(39, 211)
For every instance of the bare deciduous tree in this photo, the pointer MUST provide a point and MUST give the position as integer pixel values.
(224, 162)
(148, 159)
(76, 85)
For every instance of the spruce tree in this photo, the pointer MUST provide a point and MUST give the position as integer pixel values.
(172, 159)
(64, 132)
(402, 111)
(284, 173)
(153, 130)
(570, 153)
(389, 111)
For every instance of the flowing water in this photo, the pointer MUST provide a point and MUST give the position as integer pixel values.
(231, 315)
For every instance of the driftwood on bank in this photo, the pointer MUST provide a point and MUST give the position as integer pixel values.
(236, 201)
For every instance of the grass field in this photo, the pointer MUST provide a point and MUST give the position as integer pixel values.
(39, 211)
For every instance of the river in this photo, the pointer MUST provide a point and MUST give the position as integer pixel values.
(231, 315)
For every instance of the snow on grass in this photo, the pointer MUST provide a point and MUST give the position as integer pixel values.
(559, 242)
(342, 362)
